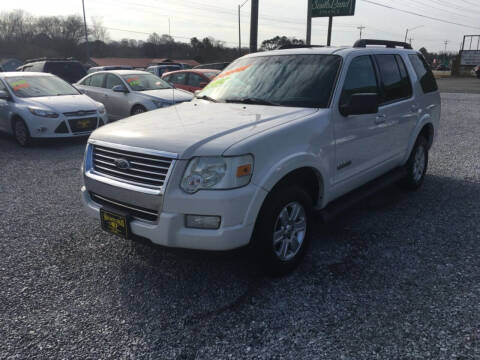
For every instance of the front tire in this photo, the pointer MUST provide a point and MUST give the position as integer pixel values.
(282, 231)
(21, 133)
(138, 109)
(416, 166)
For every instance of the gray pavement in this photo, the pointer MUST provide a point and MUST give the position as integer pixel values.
(397, 277)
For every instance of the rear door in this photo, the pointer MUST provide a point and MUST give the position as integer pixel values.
(398, 107)
(179, 80)
(4, 110)
(95, 88)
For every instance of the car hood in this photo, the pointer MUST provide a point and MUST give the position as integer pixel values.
(169, 95)
(62, 104)
(197, 128)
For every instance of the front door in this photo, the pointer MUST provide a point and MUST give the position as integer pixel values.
(360, 140)
(4, 110)
(116, 103)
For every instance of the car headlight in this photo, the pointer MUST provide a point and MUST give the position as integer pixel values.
(160, 103)
(217, 173)
(43, 113)
(101, 109)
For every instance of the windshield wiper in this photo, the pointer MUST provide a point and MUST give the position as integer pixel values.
(206, 97)
(252, 101)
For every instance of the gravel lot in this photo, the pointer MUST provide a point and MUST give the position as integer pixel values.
(397, 277)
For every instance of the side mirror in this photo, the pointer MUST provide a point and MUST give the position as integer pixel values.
(360, 104)
(119, 88)
(81, 91)
(4, 95)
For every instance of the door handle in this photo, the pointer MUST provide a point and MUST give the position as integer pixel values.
(414, 108)
(431, 107)
(381, 119)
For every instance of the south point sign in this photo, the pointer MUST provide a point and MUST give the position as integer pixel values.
(327, 8)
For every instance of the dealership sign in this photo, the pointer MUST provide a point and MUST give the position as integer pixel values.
(327, 8)
(470, 58)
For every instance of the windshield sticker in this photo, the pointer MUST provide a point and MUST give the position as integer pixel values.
(20, 84)
(134, 81)
(223, 77)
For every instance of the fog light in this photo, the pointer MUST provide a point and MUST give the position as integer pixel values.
(202, 222)
(41, 129)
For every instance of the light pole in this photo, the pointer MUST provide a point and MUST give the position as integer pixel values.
(408, 30)
(86, 32)
(361, 28)
(240, 28)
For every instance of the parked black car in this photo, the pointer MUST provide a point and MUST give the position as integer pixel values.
(69, 69)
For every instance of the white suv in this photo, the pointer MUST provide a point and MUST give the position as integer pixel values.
(274, 137)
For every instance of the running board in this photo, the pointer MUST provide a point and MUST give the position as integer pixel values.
(347, 201)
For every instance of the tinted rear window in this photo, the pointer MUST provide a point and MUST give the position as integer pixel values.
(395, 85)
(425, 75)
(69, 71)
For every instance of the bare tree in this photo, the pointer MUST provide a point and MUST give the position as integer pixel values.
(97, 31)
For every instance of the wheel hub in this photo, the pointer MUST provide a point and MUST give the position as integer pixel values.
(289, 231)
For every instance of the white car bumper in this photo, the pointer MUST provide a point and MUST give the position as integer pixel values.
(49, 128)
(237, 208)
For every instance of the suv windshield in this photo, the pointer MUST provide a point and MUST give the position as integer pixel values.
(144, 82)
(282, 80)
(38, 86)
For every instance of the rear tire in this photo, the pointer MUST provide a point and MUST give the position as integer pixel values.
(21, 133)
(416, 166)
(282, 231)
(138, 109)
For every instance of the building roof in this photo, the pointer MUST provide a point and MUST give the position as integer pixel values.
(137, 62)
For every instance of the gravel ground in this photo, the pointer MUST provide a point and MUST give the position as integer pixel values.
(397, 277)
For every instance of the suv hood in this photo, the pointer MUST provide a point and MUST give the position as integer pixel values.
(169, 95)
(61, 104)
(198, 128)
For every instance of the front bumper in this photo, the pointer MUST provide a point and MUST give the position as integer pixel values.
(238, 209)
(46, 128)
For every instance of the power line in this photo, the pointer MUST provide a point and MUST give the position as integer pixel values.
(420, 15)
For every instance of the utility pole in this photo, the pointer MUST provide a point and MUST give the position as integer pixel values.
(410, 40)
(254, 27)
(408, 30)
(169, 32)
(446, 43)
(361, 28)
(240, 28)
(86, 32)
(330, 24)
(309, 22)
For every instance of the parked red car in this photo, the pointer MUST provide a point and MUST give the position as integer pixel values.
(190, 80)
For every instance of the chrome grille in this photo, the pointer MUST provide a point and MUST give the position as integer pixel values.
(135, 211)
(135, 168)
(81, 113)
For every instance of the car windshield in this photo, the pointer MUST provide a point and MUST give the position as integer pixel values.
(282, 80)
(144, 82)
(39, 86)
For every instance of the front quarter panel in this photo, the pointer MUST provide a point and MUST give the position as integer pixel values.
(301, 143)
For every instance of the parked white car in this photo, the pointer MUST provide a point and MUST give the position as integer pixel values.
(272, 138)
(130, 92)
(41, 105)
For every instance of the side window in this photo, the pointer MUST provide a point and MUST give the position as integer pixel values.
(195, 80)
(179, 78)
(87, 81)
(406, 83)
(113, 80)
(37, 67)
(393, 84)
(151, 70)
(360, 79)
(97, 80)
(2, 86)
(424, 74)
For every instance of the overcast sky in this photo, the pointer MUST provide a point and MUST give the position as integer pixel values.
(277, 17)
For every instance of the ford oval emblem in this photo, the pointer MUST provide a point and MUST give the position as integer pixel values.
(122, 164)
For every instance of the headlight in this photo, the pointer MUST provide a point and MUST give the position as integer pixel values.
(43, 113)
(160, 104)
(101, 109)
(217, 173)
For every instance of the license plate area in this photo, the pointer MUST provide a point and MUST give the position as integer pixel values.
(115, 223)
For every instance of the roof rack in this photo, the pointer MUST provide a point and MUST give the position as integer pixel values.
(387, 43)
(49, 59)
(299, 46)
